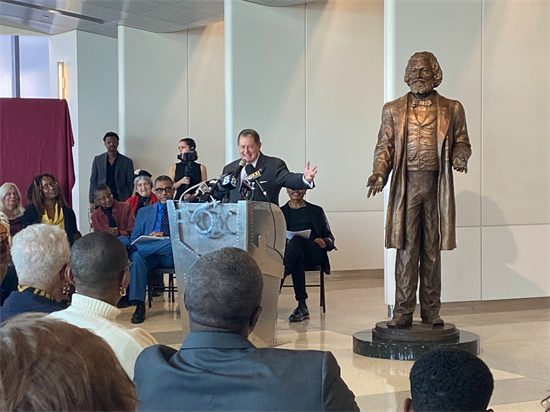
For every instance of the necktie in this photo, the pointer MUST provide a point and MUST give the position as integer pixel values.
(164, 225)
(418, 102)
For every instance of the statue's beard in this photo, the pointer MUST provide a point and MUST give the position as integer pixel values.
(419, 86)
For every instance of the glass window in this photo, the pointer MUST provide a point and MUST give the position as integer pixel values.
(35, 71)
(6, 66)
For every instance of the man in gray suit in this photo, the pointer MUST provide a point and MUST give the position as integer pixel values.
(275, 174)
(218, 369)
(113, 169)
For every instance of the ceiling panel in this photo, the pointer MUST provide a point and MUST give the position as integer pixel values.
(103, 16)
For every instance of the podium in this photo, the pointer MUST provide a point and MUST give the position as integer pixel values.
(256, 227)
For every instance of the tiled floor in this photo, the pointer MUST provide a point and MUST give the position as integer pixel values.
(515, 340)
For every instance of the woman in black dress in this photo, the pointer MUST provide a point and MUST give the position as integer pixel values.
(187, 172)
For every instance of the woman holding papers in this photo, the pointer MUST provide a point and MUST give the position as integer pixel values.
(303, 252)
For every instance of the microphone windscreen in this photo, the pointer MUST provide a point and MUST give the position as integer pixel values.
(249, 169)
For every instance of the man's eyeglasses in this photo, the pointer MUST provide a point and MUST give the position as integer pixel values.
(159, 190)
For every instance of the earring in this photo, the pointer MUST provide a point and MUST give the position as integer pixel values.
(65, 290)
(122, 291)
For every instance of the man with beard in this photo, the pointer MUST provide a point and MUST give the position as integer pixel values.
(422, 138)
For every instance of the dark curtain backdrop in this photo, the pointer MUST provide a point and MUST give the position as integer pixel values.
(36, 137)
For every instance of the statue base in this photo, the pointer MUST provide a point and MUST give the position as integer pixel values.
(412, 342)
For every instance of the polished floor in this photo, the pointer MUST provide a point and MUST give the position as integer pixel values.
(515, 340)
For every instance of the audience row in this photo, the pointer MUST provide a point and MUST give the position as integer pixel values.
(79, 358)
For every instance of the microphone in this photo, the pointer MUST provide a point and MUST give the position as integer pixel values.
(199, 192)
(253, 178)
(229, 180)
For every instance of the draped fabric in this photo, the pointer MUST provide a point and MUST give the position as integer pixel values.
(36, 137)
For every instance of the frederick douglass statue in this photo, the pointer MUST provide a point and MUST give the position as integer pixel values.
(423, 137)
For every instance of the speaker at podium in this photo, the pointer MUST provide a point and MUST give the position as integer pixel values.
(256, 227)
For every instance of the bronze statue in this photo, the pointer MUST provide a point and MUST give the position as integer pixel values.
(422, 138)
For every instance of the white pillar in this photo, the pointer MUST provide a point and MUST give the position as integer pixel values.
(92, 96)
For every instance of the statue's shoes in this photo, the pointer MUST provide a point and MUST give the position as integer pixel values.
(436, 321)
(400, 322)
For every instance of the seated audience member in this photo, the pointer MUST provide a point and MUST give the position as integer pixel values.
(112, 216)
(8, 277)
(4, 245)
(186, 173)
(11, 204)
(49, 365)
(218, 368)
(113, 169)
(301, 253)
(46, 204)
(449, 379)
(150, 221)
(99, 271)
(143, 189)
(40, 254)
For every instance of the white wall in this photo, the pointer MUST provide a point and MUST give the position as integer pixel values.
(170, 87)
(63, 48)
(502, 80)
(309, 78)
(92, 95)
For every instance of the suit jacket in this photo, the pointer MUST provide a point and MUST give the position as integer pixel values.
(30, 217)
(122, 213)
(320, 229)
(145, 221)
(124, 175)
(275, 174)
(225, 372)
(390, 154)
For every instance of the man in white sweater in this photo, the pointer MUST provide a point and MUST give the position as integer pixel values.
(100, 273)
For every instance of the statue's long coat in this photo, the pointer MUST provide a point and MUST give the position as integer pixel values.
(452, 139)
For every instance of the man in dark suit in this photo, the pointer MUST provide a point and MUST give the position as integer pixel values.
(275, 174)
(150, 221)
(113, 169)
(218, 369)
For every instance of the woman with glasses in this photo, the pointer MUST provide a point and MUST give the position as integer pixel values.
(46, 204)
(100, 273)
(112, 216)
(143, 189)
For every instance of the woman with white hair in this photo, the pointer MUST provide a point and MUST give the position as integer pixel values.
(143, 189)
(11, 204)
(40, 254)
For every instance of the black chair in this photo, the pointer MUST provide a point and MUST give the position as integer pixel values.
(171, 289)
(321, 285)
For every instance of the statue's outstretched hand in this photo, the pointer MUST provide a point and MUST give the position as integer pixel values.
(460, 164)
(375, 184)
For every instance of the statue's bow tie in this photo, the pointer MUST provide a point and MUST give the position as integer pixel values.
(417, 103)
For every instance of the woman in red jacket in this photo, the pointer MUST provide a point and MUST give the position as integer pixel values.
(143, 189)
(112, 216)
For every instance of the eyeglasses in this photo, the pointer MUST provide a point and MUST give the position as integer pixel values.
(129, 265)
(104, 199)
(159, 190)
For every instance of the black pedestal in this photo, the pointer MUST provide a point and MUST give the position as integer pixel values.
(412, 342)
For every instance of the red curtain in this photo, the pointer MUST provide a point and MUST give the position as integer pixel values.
(36, 137)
